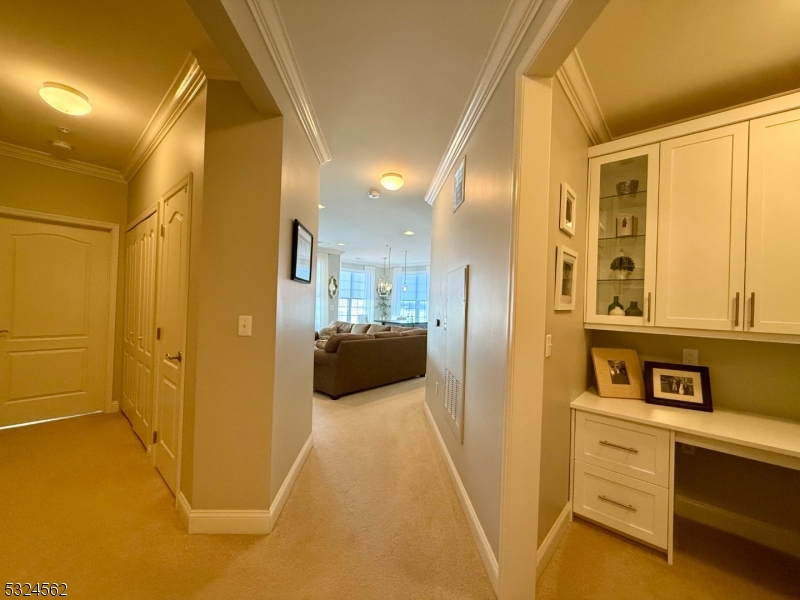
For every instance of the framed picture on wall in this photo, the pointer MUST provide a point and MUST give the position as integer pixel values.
(302, 249)
(568, 209)
(618, 373)
(566, 278)
(681, 386)
(458, 185)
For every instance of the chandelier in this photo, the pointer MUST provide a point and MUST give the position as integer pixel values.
(384, 288)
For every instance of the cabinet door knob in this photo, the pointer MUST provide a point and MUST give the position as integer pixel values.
(736, 312)
(752, 310)
(649, 304)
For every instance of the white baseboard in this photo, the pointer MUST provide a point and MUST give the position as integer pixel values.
(254, 522)
(554, 537)
(283, 493)
(731, 522)
(481, 541)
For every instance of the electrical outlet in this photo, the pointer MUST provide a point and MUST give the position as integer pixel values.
(691, 357)
(548, 346)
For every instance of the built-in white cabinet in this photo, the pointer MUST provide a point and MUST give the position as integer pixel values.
(772, 287)
(698, 231)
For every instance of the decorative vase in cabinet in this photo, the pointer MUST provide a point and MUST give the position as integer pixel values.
(633, 310)
(615, 308)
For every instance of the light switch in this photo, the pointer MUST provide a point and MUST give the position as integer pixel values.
(548, 346)
(245, 325)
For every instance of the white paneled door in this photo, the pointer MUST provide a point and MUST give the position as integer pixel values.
(701, 230)
(139, 337)
(171, 317)
(54, 319)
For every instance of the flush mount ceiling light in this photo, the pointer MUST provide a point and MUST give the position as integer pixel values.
(66, 99)
(61, 145)
(340, 244)
(374, 194)
(392, 181)
(322, 206)
(409, 232)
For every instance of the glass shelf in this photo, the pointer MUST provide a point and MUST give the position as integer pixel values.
(624, 201)
(639, 192)
(629, 280)
(621, 238)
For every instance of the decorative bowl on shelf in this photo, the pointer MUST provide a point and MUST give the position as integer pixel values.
(627, 187)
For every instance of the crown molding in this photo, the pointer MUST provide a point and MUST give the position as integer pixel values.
(43, 158)
(578, 88)
(273, 31)
(517, 20)
(181, 92)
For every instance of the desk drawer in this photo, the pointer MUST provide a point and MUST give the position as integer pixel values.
(624, 447)
(632, 507)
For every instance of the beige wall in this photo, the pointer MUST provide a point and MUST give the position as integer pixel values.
(565, 371)
(32, 186)
(179, 153)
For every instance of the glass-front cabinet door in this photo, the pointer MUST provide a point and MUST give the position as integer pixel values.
(621, 260)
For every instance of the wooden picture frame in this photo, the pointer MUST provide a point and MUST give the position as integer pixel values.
(302, 253)
(566, 278)
(568, 212)
(618, 373)
(680, 386)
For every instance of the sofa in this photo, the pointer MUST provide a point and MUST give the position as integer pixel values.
(349, 362)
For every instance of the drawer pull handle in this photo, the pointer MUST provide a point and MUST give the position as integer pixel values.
(631, 450)
(620, 504)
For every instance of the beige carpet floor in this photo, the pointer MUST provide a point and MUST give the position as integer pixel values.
(594, 564)
(373, 515)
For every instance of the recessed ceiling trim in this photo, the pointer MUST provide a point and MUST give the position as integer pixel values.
(43, 158)
(184, 88)
(273, 31)
(580, 93)
(517, 20)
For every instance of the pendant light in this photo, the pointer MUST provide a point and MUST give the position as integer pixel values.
(405, 268)
(384, 288)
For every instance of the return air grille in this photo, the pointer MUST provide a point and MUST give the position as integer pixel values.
(453, 399)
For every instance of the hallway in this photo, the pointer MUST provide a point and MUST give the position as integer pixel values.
(372, 515)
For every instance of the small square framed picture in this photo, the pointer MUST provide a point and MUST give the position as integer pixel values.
(681, 386)
(568, 209)
(566, 278)
(302, 251)
(618, 373)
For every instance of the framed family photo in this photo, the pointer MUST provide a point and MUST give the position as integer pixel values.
(681, 386)
(568, 209)
(302, 248)
(618, 373)
(566, 278)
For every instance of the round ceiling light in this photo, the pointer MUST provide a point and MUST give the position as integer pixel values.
(374, 194)
(65, 99)
(409, 232)
(322, 206)
(340, 244)
(392, 181)
(61, 145)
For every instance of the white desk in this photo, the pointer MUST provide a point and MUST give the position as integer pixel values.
(626, 449)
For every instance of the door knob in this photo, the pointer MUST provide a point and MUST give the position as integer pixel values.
(178, 356)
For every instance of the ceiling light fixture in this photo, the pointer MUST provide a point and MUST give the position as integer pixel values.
(405, 269)
(340, 244)
(65, 99)
(392, 181)
(65, 130)
(384, 288)
(61, 145)
(322, 206)
(374, 194)
(409, 232)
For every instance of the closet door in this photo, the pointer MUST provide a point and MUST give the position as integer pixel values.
(773, 215)
(701, 230)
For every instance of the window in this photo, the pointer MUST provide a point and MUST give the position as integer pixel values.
(412, 304)
(353, 297)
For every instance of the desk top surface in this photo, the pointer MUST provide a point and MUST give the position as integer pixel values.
(747, 429)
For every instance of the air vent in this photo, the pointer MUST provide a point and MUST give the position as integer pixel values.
(453, 400)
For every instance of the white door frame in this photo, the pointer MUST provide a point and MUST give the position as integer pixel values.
(110, 405)
(186, 181)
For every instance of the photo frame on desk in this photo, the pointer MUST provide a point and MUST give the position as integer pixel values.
(618, 373)
(680, 386)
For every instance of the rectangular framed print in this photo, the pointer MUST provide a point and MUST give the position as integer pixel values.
(568, 209)
(302, 249)
(681, 386)
(618, 373)
(458, 184)
(566, 278)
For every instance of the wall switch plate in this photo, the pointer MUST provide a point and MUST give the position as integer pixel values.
(548, 346)
(245, 325)
(691, 357)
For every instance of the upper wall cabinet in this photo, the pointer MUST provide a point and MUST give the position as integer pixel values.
(621, 257)
(702, 210)
(773, 217)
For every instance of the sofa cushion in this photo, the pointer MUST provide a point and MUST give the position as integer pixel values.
(378, 328)
(414, 332)
(327, 332)
(333, 342)
(360, 328)
(343, 327)
(401, 328)
(387, 334)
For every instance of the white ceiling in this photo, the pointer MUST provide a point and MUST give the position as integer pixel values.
(654, 62)
(388, 80)
(122, 54)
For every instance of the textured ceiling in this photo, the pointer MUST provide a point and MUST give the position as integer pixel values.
(122, 54)
(388, 81)
(654, 62)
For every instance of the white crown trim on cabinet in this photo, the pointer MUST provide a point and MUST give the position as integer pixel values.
(517, 19)
(273, 31)
(578, 88)
(43, 158)
(181, 92)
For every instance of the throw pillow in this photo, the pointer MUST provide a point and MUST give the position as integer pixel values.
(343, 327)
(333, 342)
(378, 328)
(360, 328)
(326, 332)
(411, 332)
